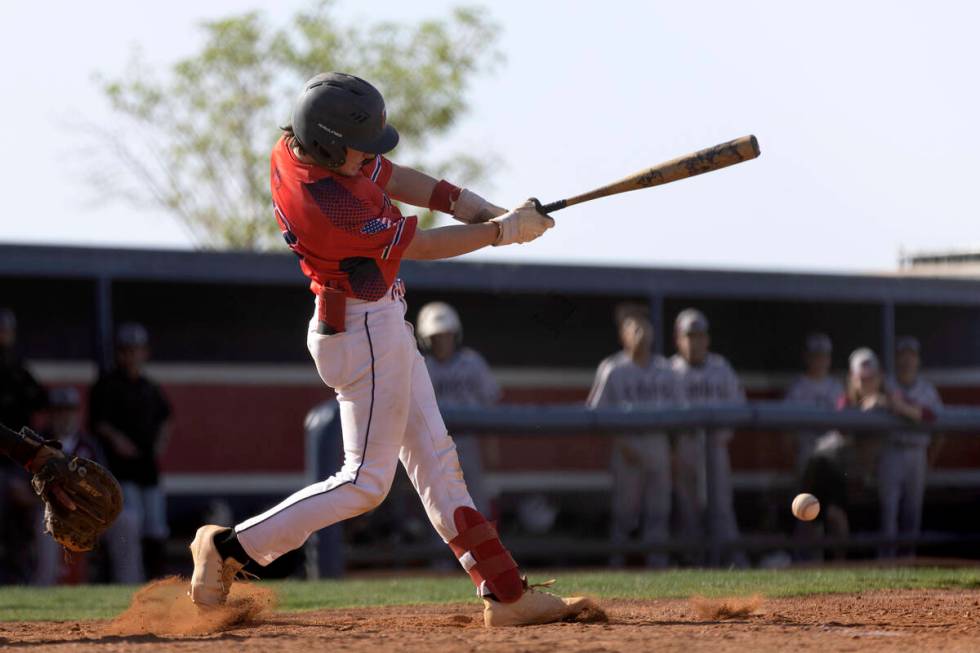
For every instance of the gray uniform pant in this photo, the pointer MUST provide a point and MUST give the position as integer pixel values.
(699, 455)
(901, 488)
(144, 514)
(641, 492)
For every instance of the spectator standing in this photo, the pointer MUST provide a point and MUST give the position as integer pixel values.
(21, 396)
(706, 379)
(131, 417)
(903, 463)
(815, 388)
(640, 463)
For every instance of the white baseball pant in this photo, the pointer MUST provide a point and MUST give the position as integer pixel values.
(388, 413)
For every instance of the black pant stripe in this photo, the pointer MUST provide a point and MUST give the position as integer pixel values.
(367, 330)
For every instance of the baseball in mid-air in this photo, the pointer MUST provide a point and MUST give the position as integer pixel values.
(806, 507)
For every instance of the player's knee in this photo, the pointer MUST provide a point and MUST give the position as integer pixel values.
(374, 485)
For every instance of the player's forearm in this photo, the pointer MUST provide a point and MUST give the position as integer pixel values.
(447, 242)
(905, 408)
(419, 189)
(21, 450)
(410, 186)
(107, 431)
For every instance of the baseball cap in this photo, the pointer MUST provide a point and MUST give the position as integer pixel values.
(131, 334)
(691, 320)
(907, 343)
(66, 397)
(818, 343)
(7, 319)
(863, 362)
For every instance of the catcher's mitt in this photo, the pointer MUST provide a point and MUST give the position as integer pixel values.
(81, 498)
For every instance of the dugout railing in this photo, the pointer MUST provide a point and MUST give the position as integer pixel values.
(557, 421)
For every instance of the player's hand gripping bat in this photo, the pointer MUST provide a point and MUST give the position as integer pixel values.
(689, 165)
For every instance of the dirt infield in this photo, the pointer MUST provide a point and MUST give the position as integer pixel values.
(919, 620)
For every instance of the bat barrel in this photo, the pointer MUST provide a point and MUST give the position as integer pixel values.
(697, 163)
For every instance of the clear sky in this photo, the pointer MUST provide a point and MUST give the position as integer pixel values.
(866, 113)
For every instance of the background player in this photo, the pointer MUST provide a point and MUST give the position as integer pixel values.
(903, 463)
(131, 417)
(21, 397)
(815, 388)
(460, 377)
(332, 193)
(706, 379)
(640, 463)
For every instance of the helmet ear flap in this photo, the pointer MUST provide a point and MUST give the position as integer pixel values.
(330, 154)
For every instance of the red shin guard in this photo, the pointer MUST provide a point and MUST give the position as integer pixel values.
(483, 556)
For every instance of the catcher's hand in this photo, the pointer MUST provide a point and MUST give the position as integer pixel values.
(81, 497)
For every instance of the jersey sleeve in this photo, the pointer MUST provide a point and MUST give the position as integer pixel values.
(379, 170)
(602, 391)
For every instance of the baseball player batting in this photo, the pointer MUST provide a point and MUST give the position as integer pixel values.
(332, 192)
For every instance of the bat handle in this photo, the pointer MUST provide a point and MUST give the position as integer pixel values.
(548, 208)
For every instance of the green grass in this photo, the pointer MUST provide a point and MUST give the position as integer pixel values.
(102, 601)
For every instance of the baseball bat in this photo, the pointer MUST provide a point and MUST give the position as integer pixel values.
(689, 165)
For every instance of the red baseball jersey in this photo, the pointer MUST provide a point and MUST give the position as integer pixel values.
(345, 230)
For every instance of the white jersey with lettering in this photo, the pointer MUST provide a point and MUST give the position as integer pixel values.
(464, 379)
(710, 384)
(621, 382)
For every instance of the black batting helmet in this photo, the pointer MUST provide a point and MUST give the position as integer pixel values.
(336, 111)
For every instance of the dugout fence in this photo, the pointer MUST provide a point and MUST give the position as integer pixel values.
(327, 555)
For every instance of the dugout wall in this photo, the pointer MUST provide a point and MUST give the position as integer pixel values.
(227, 333)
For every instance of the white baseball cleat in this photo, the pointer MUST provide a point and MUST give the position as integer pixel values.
(534, 607)
(212, 576)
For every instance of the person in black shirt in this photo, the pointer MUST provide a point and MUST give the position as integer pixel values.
(20, 394)
(131, 417)
(20, 397)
